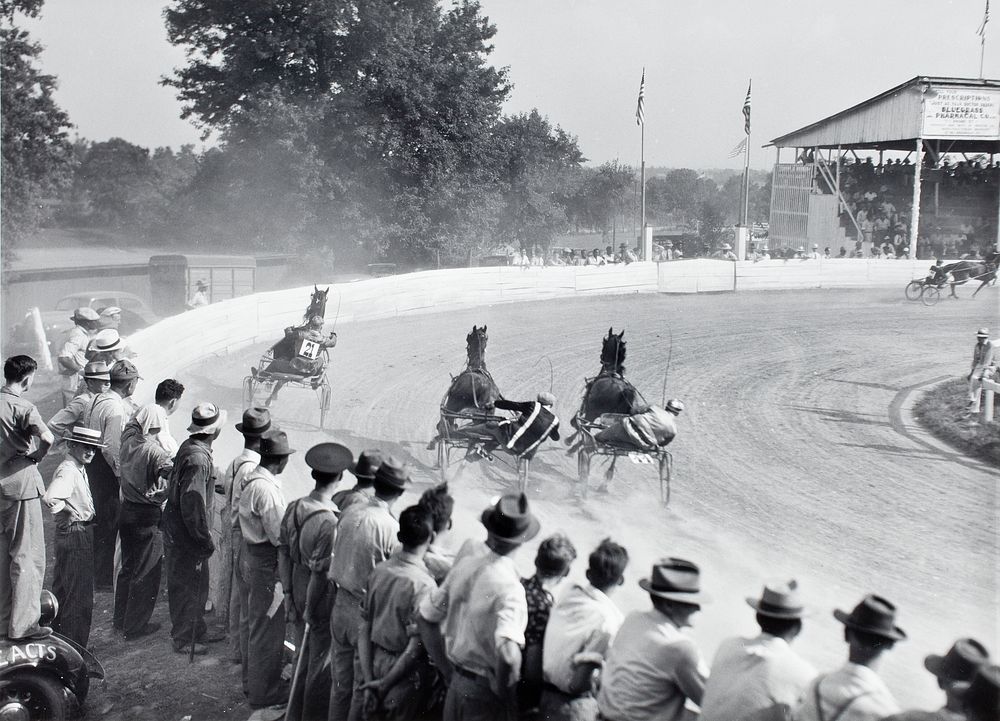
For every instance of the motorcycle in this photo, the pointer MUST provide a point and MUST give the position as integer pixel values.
(45, 678)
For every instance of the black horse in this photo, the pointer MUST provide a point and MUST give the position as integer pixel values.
(474, 387)
(962, 271)
(609, 392)
(317, 303)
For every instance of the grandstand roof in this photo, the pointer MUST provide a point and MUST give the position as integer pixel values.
(963, 113)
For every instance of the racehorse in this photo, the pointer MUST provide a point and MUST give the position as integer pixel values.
(473, 388)
(609, 392)
(317, 303)
(963, 271)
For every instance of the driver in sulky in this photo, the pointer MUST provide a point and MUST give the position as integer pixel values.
(298, 352)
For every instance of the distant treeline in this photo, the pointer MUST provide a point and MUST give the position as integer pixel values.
(358, 131)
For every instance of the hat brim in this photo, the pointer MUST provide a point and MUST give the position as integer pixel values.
(896, 634)
(97, 377)
(935, 664)
(534, 526)
(92, 444)
(251, 433)
(694, 599)
(212, 428)
(117, 345)
(774, 613)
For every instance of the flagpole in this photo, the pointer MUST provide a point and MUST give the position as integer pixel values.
(982, 51)
(746, 183)
(642, 180)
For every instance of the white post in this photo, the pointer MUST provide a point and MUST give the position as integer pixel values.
(41, 344)
(915, 212)
(990, 388)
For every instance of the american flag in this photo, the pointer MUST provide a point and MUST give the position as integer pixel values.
(738, 150)
(640, 109)
(746, 111)
(981, 32)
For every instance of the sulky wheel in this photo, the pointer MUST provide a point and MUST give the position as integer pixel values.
(913, 290)
(583, 471)
(522, 474)
(666, 469)
(249, 387)
(325, 402)
(931, 295)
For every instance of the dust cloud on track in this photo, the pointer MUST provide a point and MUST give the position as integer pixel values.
(792, 458)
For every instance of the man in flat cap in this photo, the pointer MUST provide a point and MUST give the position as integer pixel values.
(751, 676)
(72, 355)
(262, 506)
(954, 672)
(855, 692)
(366, 536)
(108, 414)
(652, 669)
(473, 625)
(304, 551)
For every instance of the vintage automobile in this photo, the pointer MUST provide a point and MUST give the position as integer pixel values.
(47, 678)
(135, 315)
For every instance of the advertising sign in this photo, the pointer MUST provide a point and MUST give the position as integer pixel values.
(962, 113)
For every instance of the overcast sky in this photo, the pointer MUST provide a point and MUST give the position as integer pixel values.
(579, 62)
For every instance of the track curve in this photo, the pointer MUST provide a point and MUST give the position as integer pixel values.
(792, 459)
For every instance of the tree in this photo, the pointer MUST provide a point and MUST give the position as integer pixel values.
(36, 151)
(710, 223)
(604, 196)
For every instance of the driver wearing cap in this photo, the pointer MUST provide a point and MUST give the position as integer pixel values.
(649, 430)
(520, 436)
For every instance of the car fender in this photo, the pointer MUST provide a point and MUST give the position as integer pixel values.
(53, 655)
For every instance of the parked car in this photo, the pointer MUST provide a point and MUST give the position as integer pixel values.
(135, 315)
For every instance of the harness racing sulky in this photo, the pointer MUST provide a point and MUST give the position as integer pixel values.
(928, 289)
(300, 359)
(615, 421)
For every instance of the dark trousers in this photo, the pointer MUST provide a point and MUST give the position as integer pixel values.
(187, 593)
(104, 487)
(310, 699)
(265, 629)
(345, 623)
(471, 699)
(142, 563)
(73, 581)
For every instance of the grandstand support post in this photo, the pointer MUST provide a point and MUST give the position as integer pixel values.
(915, 212)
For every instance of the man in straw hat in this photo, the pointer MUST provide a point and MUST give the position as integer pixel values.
(97, 380)
(199, 297)
(984, 366)
(69, 499)
(954, 672)
(72, 355)
(366, 536)
(473, 625)
(254, 424)
(262, 505)
(108, 414)
(304, 552)
(982, 699)
(652, 668)
(855, 692)
(187, 533)
(24, 441)
(145, 468)
(751, 676)
(364, 471)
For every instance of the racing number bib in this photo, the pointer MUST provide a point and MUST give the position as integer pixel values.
(309, 349)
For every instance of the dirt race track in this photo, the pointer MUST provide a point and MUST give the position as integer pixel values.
(796, 456)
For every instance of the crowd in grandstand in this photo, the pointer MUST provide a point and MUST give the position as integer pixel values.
(397, 618)
(879, 203)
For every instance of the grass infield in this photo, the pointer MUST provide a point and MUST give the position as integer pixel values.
(940, 410)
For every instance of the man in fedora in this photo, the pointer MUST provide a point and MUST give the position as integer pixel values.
(187, 532)
(366, 536)
(72, 355)
(473, 625)
(855, 692)
(107, 414)
(982, 699)
(306, 546)
(752, 677)
(364, 471)
(262, 506)
(68, 497)
(145, 467)
(24, 441)
(954, 672)
(652, 668)
(255, 423)
(97, 380)
(199, 297)
(107, 345)
(984, 365)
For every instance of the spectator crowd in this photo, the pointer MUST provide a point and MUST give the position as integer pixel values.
(388, 622)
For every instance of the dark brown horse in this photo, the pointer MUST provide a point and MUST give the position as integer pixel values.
(474, 387)
(962, 271)
(609, 392)
(317, 303)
